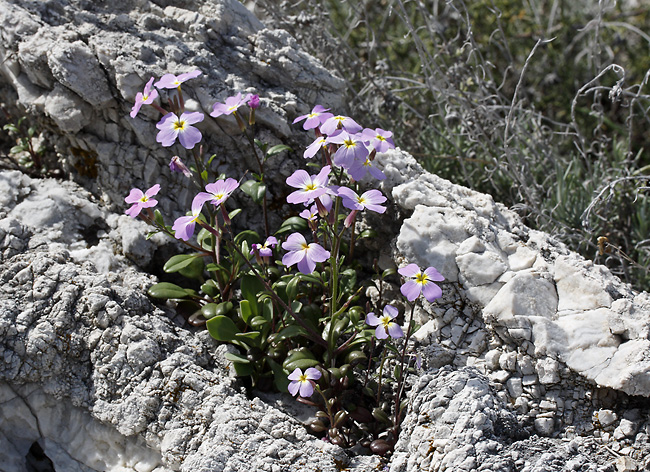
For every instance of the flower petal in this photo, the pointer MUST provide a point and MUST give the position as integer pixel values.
(410, 270)
(411, 290)
(395, 330)
(433, 274)
(431, 291)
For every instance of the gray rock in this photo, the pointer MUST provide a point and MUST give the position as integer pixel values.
(77, 66)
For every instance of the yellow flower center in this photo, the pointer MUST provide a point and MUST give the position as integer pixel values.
(305, 246)
(310, 187)
(386, 320)
(313, 115)
(421, 278)
(303, 378)
(144, 198)
(380, 137)
(349, 143)
(179, 125)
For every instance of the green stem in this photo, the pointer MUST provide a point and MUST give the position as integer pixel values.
(400, 381)
(313, 335)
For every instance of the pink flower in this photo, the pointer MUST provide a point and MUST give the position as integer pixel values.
(315, 118)
(254, 102)
(170, 81)
(303, 254)
(231, 105)
(379, 139)
(303, 384)
(171, 127)
(219, 191)
(372, 200)
(340, 122)
(184, 226)
(352, 148)
(314, 147)
(360, 168)
(141, 200)
(385, 325)
(264, 250)
(310, 186)
(421, 282)
(146, 97)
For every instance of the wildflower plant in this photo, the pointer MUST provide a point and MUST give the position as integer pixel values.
(291, 301)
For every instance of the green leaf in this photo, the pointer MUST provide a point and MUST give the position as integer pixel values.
(158, 218)
(204, 175)
(258, 321)
(167, 290)
(292, 288)
(368, 233)
(216, 309)
(178, 262)
(245, 311)
(280, 379)
(249, 336)
(255, 190)
(289, 332)
(204, 238)
(234, 213)
(300, 364)
(388, 273)
(222, 328)
(237, 358)
(277, 149)
(381, 416)
(247, 235)
(292, 224)
(348, 280)
(10, 127)
(211, 159)
(300, 358)
(251, 287)
(261, 145)
(17, 149)
(194, 270)
(354, 357)
(210, 288)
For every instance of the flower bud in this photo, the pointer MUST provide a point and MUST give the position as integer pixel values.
(176, 165)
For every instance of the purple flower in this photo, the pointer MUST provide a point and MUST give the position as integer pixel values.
(352, 148)
(231, 105)
(254, 102)
(146, 97)
(141, 200)
(266, 249)
(219, 191)
(310, 186)
(172, 127)
(303, 254)
(385, 324)
(177, 165)
(184, 226)
(360, 168)
(303, 383)
(314, 147)
(315, 118)
(379, 139)
(421, 282)
(309, 214)
(372, 200)
(343, 122)
(170, 81)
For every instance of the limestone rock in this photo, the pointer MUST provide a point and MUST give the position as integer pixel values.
(76, 66)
